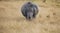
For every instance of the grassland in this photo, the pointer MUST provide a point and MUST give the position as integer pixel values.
(12, 20)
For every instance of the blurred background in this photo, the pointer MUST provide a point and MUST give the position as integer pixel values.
(47, 20)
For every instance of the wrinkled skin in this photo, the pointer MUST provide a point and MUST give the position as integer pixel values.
(29, 10)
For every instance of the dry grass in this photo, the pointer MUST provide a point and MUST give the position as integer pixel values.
(12, 21)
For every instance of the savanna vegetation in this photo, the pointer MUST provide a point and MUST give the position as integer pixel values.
(47, 20)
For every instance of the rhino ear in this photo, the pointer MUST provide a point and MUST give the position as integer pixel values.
(29, 2)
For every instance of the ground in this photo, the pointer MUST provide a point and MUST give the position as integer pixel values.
(12, 20)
